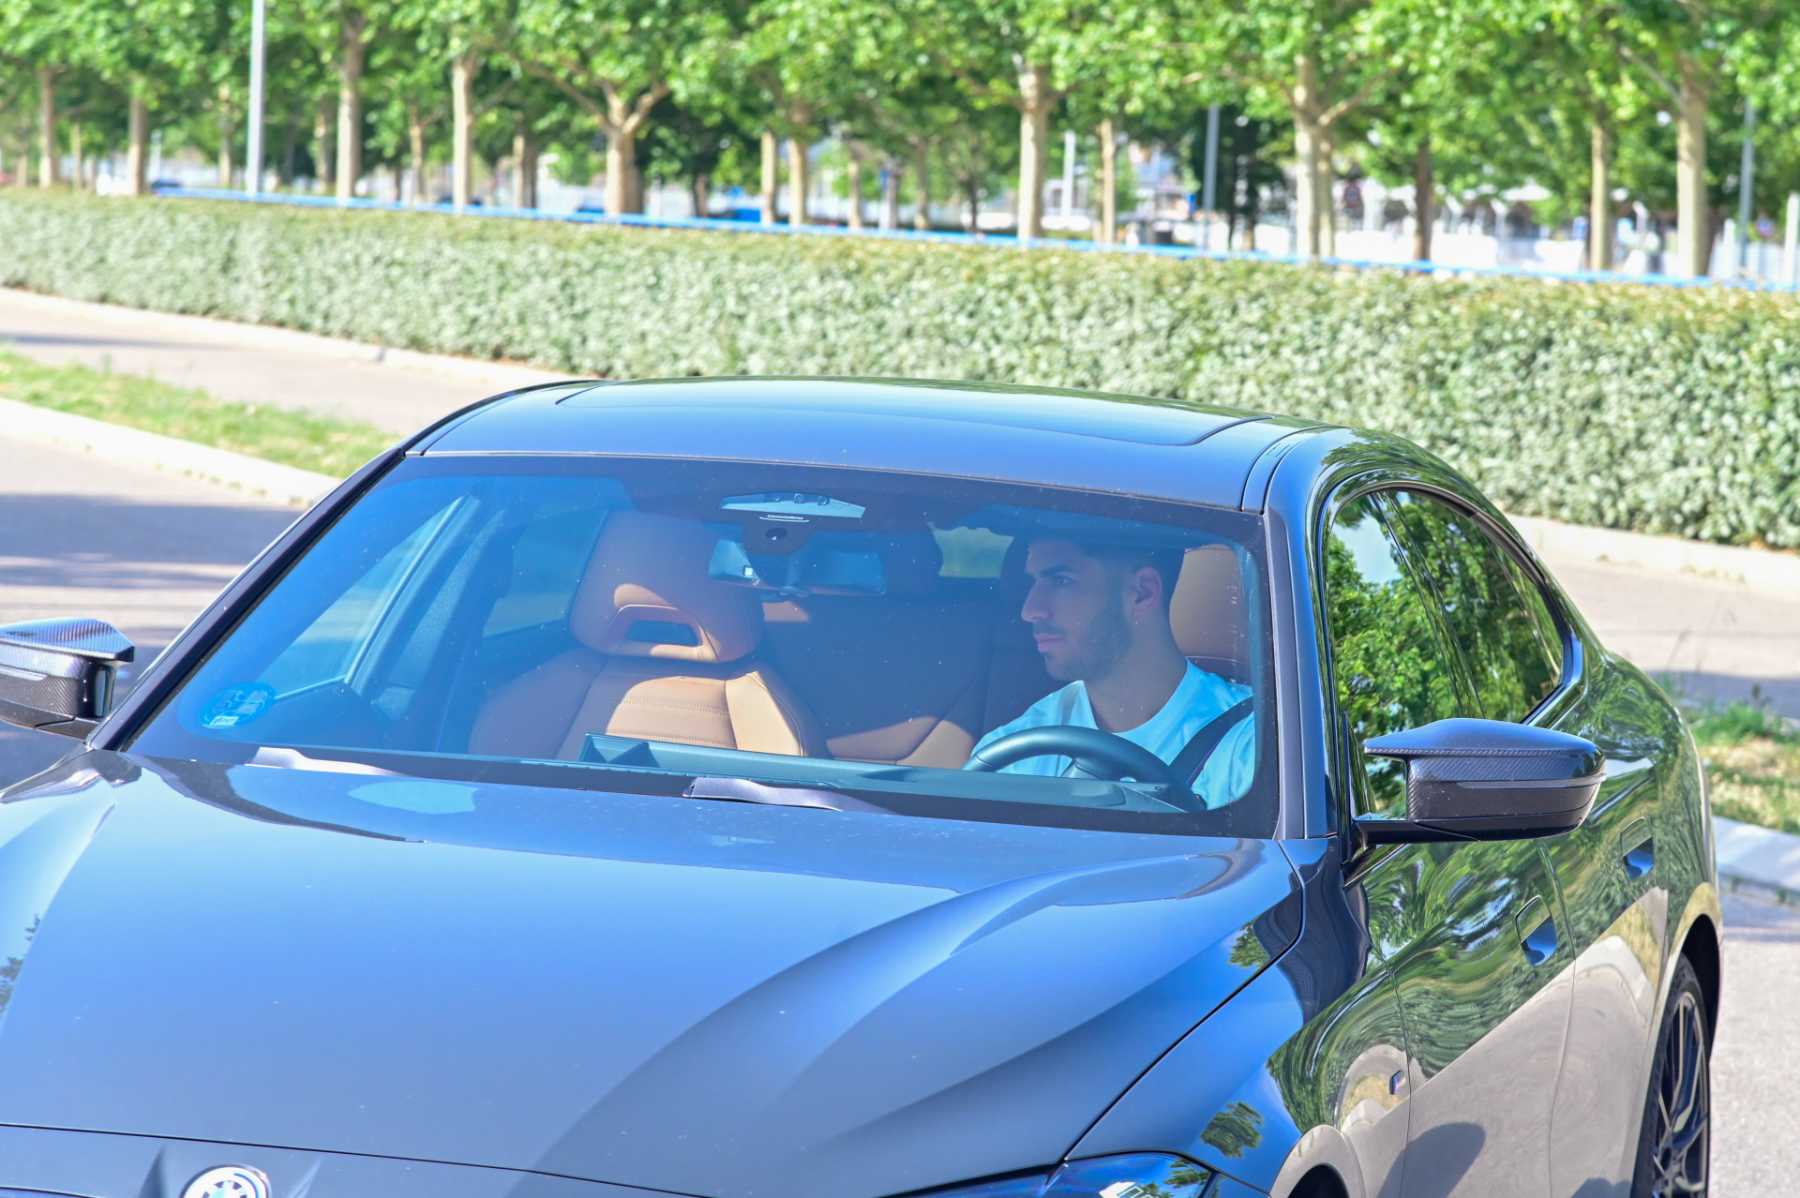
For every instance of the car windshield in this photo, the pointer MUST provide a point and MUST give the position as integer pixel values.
(827, 638)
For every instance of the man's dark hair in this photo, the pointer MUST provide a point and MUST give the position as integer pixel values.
(1165, 561)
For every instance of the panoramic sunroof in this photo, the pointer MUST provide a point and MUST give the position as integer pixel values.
(1114, 419)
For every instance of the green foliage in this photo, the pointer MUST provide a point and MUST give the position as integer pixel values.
(334, 447)
(1666, 411)
(1752, 758)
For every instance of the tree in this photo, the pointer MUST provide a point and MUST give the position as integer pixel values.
(36, 37)
(342, 30)
(1028, 54)
(1682, 49)
(617, 59)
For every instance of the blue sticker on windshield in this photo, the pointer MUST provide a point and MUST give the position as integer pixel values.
(237, 705)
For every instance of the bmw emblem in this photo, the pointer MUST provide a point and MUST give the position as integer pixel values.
(230, 1181)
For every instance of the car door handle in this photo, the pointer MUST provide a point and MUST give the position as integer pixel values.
(1637, 849)
(1537, 931)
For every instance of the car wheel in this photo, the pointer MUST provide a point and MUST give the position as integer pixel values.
(1675, 1145)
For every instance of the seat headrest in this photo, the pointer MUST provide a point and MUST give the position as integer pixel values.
(911, 561)
(646, 593)
(1206, 612)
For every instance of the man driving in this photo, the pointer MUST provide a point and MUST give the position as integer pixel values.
(1100, 617)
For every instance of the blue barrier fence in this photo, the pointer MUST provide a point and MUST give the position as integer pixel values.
(994, 241)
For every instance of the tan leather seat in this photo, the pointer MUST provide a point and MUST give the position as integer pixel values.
(897, 679)
(1207, 612)
(665, 653)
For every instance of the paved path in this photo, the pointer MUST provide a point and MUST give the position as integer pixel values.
(1756, 1057)
(396, 392)
(133, 546)
(1703, 638)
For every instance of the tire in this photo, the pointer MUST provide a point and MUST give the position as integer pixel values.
(1674, 1156)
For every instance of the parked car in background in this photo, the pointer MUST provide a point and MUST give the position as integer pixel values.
(845, 789)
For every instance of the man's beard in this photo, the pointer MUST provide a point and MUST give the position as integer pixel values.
(1108, 638)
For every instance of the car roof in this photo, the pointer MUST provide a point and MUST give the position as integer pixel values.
(1173, 449)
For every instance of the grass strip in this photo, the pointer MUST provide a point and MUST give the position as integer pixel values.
(334, 447)
(1752, 760)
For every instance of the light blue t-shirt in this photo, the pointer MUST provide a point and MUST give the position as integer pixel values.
(1197, 700)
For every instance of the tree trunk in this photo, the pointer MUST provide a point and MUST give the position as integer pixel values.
(137, 153)
(1034, 130)
(79, 161)
(621, 171)
(415, 152)
(524, 169)
(922, 177)
(325, 145)
(771, 175)
(399, 184)
(462, 129)
(890, 195)
(227, 133)
(1327, 199)
(1693, 232)
(972, 197)
(1424, 206)
(1309, 137)
(46, 127)
(351, 51)
(798, 180)
(700, 195)
(1600, 222)
(854, 179)
(290, 150)
(1109, 182)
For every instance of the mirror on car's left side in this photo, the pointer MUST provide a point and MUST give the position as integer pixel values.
(57, 675)
(1486, 780)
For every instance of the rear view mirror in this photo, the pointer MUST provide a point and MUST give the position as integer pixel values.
(57, 675)
(1486, 780)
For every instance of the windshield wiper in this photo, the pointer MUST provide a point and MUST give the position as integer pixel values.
(742, 790)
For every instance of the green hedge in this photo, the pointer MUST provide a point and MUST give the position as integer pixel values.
(1659, 410)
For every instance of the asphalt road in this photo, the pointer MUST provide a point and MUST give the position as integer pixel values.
(145, 550)
(138, 548)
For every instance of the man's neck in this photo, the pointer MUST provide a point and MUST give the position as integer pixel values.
(1135, 689)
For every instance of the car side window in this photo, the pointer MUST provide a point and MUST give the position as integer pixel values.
(1504, 636)
(1390, 666)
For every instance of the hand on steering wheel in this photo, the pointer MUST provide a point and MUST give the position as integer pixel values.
(1096, 754)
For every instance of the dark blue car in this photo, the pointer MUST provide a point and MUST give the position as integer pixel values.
(815, 789)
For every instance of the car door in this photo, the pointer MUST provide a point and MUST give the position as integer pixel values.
(1613, 874)
(1469, 929)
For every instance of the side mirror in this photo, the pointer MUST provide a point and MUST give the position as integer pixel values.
(57, 675)
(1486, 780)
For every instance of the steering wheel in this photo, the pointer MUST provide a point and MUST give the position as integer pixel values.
(1096, 754)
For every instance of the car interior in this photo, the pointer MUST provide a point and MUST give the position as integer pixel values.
(868, 634)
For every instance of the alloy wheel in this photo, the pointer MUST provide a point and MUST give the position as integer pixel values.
(1680, 1151)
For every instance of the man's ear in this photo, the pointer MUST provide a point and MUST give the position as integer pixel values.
(1144, 591)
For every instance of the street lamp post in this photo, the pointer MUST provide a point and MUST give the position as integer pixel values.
(1746, 187)
(1210, 182)
(253, 159)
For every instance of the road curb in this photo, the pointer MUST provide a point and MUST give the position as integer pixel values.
(1758, 860)
(283, 484)
(1761, 569)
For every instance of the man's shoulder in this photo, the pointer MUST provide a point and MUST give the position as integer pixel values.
(1214, 689)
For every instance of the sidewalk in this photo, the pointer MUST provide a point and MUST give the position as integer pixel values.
(398, 391)
(1713, 623)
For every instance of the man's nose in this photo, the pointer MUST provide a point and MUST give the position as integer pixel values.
(1032, 611)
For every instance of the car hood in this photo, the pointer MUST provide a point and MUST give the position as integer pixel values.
(701, 997)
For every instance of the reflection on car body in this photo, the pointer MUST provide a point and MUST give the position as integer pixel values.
(843, 788)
